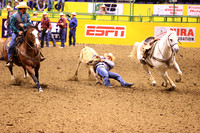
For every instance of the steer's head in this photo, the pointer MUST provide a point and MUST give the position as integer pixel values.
(96, 59)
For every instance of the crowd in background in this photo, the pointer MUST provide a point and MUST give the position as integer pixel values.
(38, 5)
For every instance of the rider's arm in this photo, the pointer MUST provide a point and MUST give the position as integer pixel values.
(28, 21)
(109, 63)
(75, 23)
(12, 24)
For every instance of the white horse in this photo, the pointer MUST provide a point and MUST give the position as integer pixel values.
(162, 58)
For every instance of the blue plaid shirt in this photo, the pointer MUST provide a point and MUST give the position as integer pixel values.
(13, 21)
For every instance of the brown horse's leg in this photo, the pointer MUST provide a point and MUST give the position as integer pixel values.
(25, 73)
(11, 72)
(30, 71)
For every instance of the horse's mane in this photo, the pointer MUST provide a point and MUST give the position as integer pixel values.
(169, 32)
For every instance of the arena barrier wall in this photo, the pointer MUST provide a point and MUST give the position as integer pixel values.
(127, 33)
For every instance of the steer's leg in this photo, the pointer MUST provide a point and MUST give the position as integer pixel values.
(95, 75)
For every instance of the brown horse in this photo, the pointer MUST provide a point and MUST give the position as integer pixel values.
(27, 54)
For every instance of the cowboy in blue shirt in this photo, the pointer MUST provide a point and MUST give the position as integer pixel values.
(19, 20)
(72, 32)
(103, 69)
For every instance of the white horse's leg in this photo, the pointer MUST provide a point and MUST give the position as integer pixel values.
(152, 79)
(167, 80)
(178, 70)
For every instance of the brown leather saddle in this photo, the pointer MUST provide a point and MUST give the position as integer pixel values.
(149, 46)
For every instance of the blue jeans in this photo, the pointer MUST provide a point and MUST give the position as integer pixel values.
(12, 44)
(72, 33)
(44, 34)
(49, 3)
(105, 74)
(9, 32)
(63, 4)
(31, 4)
(62, 37)
(52, 38)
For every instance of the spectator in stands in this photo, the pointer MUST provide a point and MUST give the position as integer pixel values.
(63, 4)
(16, 3)
(9, 14)
(46, 27)
(102, 9)
(10, 3)
(62, 25)
(50, 4)
(72, 26)
(31, 3)
(35, 14)
(40, 5)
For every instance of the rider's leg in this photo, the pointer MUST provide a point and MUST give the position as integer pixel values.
(11, 49)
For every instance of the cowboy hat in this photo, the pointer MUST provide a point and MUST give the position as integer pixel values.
(103, 5)
(35, 12)
(73, 13)
(110, 55)
(16, 1)
(22, 5)
(44, 13)
(61, 14)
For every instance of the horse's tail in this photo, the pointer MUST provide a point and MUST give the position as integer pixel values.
(133, 53)
(2, 48)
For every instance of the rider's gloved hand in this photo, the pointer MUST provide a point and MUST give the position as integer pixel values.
(20, 32)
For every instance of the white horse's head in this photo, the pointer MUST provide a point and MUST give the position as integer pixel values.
(173, 41)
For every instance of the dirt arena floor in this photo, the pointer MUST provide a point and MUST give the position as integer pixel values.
(81, 106)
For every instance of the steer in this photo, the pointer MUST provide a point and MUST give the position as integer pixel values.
(87, 54)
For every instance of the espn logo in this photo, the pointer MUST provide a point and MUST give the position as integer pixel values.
(109, 31)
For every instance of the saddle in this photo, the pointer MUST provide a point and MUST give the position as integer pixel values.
(148, 44)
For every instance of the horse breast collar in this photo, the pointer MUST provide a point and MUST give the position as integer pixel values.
(167, 62)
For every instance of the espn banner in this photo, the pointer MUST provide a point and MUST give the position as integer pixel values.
(109, 31)
(185, 34)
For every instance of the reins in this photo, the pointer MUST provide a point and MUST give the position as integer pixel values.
(27, 56)
(167, 61)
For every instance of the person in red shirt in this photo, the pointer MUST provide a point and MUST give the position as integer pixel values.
(46, 27)
(62, 25)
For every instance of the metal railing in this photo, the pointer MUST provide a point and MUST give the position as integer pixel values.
(126, 18)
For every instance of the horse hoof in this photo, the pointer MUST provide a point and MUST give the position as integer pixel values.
(12, 78)
(178, 80)
(40, 89)
(164, 84)
(173, 86)
(154, 83)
